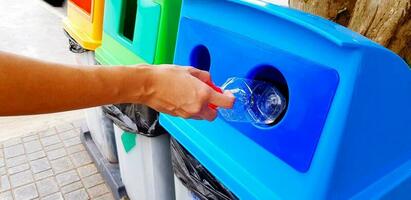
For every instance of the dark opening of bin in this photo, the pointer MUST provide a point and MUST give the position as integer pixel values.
(270, 74)
(200, 58)
(129, 18)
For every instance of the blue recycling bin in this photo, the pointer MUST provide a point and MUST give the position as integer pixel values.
(346, 132)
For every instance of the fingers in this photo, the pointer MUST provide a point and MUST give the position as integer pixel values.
(225, 100)
(208, 113)
(196, 118)
(204, 76)
(205, 114)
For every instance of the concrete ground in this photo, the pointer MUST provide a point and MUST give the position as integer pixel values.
(50, 165)
(33, 28)
(41, 156)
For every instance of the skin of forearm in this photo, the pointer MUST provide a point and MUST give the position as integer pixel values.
(29, 86)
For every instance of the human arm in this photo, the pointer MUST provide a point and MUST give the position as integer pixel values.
(29, 86)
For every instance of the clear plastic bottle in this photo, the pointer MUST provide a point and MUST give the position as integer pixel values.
(256, 102)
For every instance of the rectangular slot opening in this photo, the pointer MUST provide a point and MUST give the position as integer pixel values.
(129, 19)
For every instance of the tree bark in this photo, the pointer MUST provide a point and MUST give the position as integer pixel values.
(339, 11)
(387, 22)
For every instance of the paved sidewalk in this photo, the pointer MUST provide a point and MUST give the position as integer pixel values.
(51, 164)
(33, 28)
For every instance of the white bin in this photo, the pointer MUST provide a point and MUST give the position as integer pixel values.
(183, 193)
(102, 132)
(85, 58)
(146, 170)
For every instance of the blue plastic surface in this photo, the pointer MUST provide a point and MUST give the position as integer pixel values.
(294, 139)
(347, 126)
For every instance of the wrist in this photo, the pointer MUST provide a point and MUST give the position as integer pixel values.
(137, 84)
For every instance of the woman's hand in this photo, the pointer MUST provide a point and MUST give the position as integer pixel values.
(183, 91)
(29, 86)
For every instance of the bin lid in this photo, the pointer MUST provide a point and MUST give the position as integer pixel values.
(333, 32)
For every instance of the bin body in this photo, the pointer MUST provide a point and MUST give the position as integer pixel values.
(139, 31)
(326, 144)
(183, 193)
(84, 22)
(100, 127)
(102, 132)
(146, 170)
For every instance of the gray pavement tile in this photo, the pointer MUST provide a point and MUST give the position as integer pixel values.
(50, 140)
(30, 138)
(98, 190)
(26, 192)
(11, 142)
(77, 195)
(54, 146)
(64, 127)
(2, 164)
(11, 162)
(61, 165)
(21, 178)
(80, 158)
(55, 196)
(13, 151)
(33, 146)
(27, 135)
(6, 195)
(75, 148)
(72, 141)
(3, 171)
(43, 174)
(48, 132)
(87, 170)
(40, 165)
(71, 187)
(56, 153)
(79, 123)
(69, 134)
(92, 180)
(108, 196)
(18, 168)
(4, 183)
(36, 155)
(67, 178)
(47, 186)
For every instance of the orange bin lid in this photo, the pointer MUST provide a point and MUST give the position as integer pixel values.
(83, 4)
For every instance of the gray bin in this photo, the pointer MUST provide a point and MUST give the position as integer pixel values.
(102, 133)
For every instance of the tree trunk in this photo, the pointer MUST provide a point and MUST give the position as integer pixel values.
(387, 22)
(337, 10)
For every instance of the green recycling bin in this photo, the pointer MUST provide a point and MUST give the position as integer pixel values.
(139, 32)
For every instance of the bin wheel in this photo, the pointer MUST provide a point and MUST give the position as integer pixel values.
(75, 47)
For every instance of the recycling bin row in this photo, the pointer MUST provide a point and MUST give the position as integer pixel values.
(133, 35)
(339, 136)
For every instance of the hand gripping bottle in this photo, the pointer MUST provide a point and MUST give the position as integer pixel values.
(256, 102)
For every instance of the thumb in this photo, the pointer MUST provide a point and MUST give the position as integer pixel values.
(225, 100)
